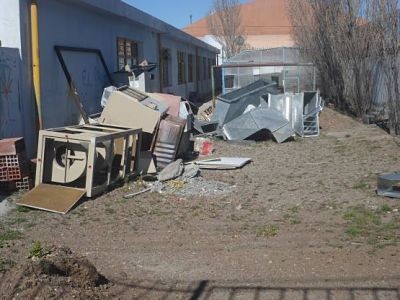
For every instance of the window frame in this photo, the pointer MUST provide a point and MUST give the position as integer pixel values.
(129, 54)
(181, 67)
(165, 67)
(190, 68)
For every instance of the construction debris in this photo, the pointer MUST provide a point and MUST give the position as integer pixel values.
(389, 185)
(139, 133)
(203, 146)
(256, 111)
(223, 163)
(190, 171)
(14, 166)
(168, 140)
(234, 104)
(128, 196)
(261, 120)
(171, 171)
(81, 160)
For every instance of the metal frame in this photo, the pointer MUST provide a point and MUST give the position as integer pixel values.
(78, 102)
(91, 135)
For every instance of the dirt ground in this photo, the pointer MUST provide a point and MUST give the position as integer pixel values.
(301, 221)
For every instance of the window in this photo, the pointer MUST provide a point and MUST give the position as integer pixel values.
(181, 68)
(198, 68)
(190, 68)
(204, 68)
(229, 81)
(165, 61)
(128, 53)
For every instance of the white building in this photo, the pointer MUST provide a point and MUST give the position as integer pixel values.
(122, 33)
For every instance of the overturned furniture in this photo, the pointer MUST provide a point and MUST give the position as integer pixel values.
(389, 185)
(79, 160)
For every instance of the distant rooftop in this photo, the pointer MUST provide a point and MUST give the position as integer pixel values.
(259, 17)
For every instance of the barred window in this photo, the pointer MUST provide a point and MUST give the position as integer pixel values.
(190, 68)
(204, 68)
(181, 68)
(165, 62)
(128, 53)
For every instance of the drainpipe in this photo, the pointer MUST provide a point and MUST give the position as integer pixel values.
(36, 60)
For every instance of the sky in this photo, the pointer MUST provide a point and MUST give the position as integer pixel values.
(174, 12)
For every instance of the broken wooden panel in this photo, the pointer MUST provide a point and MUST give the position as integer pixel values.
(168, 140)
(53, 198)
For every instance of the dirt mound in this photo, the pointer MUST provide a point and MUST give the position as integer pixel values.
(59, 274)
(331, 121)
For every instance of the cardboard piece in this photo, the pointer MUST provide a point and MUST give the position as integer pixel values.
(172, 101)
(123, 110)
(53, 198)
(146, 163)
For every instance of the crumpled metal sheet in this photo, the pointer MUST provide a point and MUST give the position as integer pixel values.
(389, 185)
(261, 118)
(291, 106)
(297, 108)
(232, 105)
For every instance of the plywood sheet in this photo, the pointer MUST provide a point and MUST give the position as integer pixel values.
(53, 198)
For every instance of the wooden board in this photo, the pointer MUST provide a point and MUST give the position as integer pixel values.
(53, 198)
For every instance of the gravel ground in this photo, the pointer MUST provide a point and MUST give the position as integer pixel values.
(302, 221)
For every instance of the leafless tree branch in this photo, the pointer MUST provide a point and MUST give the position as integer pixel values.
(225, 24)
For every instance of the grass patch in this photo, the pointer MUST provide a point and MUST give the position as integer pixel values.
(6, 264)
(267, 231)
(294, 209)
(361, 185)
(367, 225)
(36, 250)
(9, 235)
(22, 209)
(385, 208)
(110, 211)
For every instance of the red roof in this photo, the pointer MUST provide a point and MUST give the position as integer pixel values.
(259, 17)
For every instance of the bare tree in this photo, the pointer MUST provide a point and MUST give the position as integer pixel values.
(340, 37)
(389, 22)
(225, 24)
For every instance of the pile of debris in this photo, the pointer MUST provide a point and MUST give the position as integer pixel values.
(141, 133)
(14, 166)
(257, 111)
(185, 179)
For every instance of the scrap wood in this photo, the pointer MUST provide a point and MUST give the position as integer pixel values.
(128, 196)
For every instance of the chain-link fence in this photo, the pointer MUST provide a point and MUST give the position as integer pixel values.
(285, 66)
